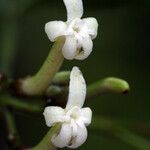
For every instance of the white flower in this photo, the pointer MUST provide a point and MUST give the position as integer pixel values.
(78, 32)
(73, 118)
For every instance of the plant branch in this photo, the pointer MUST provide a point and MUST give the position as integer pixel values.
(13, 137)
(109, 84)
(45, 143)
(6, 100)
(37, 84)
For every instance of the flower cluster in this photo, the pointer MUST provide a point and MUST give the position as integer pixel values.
(78, 34)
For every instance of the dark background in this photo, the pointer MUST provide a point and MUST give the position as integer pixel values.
(121, 49)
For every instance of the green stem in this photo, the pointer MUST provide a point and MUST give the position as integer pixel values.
(10, 123)
(37, 84)
(120, 132)
(59, 82)
(6, 100)
(45, 143)
(54, 90)
(13, 136)
(8, 45)
(109, 84)
(61, 78)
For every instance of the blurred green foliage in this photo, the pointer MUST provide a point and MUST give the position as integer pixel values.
(121, 49)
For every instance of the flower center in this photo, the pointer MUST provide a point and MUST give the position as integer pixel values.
(76, 29)
(72, 114)
(75, 26)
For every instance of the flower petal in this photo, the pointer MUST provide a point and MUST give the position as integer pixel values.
(63, 138)
(53, 114)
(77, 89)
(87, 46)
(55, 29)
(74, 9)
(92, 26)
(86, 115)
(79, 137)
(69, 48)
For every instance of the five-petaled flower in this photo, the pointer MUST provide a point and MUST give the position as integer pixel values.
(73, 118)
(78, 32)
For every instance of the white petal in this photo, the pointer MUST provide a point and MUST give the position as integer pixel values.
(92, 26)
(63, 138)
(74, 9)
(86, 115)
(53, 115)
(77, 89)
(55, 29)
(79, 138)
(69, 48)
(87, 46)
